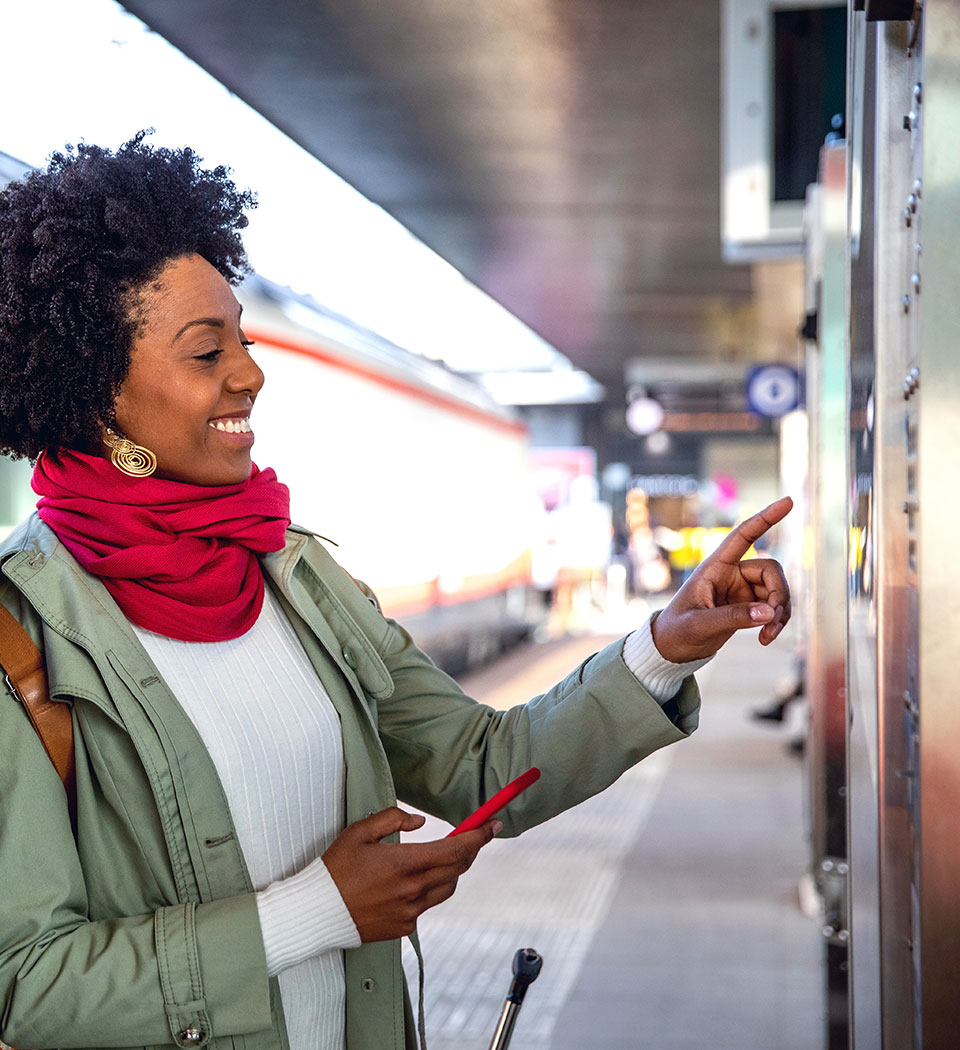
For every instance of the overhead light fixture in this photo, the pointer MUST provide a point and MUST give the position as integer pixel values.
(658, 443)
(644, 416)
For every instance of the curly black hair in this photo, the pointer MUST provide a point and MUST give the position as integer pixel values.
(78, 242)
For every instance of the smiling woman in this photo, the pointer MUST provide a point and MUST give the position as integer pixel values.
(192, 383)
(244, 716)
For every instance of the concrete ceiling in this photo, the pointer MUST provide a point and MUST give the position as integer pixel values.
(562, 154)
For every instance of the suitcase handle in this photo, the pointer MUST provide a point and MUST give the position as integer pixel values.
(526, 969)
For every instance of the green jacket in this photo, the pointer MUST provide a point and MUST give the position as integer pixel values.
(145, 925)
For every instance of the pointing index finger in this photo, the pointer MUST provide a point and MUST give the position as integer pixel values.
(742, 538)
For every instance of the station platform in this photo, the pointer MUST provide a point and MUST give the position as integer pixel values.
(667, 910)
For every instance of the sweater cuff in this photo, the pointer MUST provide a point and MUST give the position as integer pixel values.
(659, 676)
(302, 916)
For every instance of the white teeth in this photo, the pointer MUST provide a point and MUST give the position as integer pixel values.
(231, 426)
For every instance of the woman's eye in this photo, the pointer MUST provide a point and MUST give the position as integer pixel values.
(212, 356)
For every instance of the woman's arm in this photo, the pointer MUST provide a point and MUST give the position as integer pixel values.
(448, 753)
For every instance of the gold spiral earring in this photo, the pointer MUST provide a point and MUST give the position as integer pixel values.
(129, 458)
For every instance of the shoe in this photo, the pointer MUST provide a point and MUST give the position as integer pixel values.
(773, 713)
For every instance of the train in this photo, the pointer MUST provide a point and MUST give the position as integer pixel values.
(420, 479)
(882, 506)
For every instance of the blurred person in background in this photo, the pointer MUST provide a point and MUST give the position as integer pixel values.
(244, 718)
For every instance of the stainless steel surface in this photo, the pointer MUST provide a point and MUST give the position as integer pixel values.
(880, 778)
(504, 1029)
(563, 156)
(826, 606)
(904, 778)
(883, 588)
(935, 523)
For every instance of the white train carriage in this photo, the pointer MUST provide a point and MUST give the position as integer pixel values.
(420, 479)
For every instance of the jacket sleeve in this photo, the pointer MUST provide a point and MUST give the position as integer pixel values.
(127, 981)
(449, 754)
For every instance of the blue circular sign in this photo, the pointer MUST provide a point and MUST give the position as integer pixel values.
(773, 390)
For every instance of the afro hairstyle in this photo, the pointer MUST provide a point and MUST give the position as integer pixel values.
(78, 241)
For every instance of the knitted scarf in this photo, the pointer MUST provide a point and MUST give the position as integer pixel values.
(179, 559)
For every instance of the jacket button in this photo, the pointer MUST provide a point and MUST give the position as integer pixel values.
(191, 1036)
(368, 984)
(349, 658)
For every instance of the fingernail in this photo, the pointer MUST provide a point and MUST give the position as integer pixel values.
(761, 613)
(776, 631)
(497, 827)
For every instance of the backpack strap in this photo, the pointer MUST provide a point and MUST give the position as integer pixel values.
(26, 677)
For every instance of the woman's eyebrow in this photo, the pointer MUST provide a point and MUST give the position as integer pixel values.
(214, 322)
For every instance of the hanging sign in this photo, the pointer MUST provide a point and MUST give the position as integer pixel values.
(773, 390)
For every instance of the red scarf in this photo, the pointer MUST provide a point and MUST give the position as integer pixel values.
(180, 559)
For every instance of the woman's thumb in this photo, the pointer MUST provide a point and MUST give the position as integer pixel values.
(379, 825)
(742, 615)
(714, 625)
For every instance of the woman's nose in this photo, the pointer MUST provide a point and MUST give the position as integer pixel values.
(246, 374)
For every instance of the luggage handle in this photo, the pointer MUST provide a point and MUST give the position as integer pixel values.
(526, 969)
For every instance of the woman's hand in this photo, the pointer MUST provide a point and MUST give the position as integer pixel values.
(725, 595)
(387, 886)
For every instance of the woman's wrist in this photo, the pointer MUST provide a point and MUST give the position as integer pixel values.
(302, 916)
(659, 676)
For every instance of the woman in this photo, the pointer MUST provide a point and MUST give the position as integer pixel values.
(245, 718)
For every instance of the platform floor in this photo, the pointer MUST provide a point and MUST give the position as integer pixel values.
(667, 909)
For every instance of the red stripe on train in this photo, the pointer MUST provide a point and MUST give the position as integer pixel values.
(432, 397)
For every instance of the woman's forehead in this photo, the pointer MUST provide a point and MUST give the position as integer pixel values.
(187, 289)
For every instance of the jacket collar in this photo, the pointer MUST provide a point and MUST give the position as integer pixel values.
(49, 577)
(71, 601)
(335, 608)
(77, 606)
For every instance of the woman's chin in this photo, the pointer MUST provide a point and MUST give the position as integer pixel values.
(209, 474)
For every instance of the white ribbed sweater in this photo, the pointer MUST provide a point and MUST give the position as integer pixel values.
(274, 738)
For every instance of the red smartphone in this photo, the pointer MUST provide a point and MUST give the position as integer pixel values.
(499, 800)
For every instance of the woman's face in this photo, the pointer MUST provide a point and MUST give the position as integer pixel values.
(192, 383)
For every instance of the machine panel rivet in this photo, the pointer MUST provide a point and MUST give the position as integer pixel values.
(906, 304)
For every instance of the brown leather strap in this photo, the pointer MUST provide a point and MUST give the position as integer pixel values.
(26, 675)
